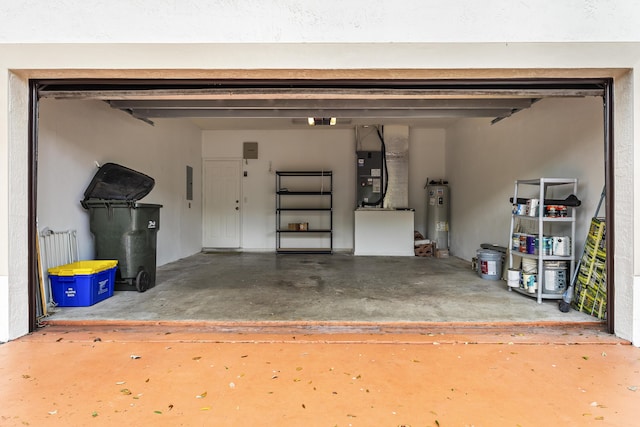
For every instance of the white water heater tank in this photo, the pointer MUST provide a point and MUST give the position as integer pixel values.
(438, 214)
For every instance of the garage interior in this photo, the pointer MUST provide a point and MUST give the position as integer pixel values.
(478, 137)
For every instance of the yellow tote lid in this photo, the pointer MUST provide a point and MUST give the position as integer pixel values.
(82, 268)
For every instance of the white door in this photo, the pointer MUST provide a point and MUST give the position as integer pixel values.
(221, 204)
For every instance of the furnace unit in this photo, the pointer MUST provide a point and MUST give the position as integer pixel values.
(370, 182)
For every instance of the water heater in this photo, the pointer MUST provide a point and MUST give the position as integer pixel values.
(438, 213)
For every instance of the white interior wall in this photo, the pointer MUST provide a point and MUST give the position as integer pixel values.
(312, 149)
(73, 135)
(426, 161)
(308, 149)
(556, 138)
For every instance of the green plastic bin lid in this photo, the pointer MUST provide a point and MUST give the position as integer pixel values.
(83, 268)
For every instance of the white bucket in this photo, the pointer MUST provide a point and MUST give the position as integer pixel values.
(555, 277)
(529, 266)
(530, 283)
(489, 264)
(513, 278)
(562, 245)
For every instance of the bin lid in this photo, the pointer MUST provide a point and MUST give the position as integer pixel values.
(110, 204)
(117, 182)
(82, 268)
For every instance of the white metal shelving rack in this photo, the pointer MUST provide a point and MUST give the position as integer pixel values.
(314, 185)
(543, 225)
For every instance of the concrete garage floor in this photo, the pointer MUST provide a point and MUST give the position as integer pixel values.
(265, 287)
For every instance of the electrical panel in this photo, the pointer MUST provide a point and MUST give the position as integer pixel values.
(189, 183)
(250, 150)
(369, 180)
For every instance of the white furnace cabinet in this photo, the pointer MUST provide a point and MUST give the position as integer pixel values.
(384, 232)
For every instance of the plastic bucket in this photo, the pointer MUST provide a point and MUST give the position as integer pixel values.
(555, 277)
(489, 264)
(530, 283)
(561, 245)
(513, 278)
(529, 266)
(547, 245)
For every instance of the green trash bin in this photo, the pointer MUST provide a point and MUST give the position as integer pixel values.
(124, 229)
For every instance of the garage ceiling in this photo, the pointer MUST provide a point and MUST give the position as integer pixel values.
(269, 104)
(348, 111)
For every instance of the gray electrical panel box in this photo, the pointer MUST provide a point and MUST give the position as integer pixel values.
(369, 181)
(250, 150)
(189, 183)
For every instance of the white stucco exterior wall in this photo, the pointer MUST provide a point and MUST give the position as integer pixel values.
(15, 312)
(329, 21)
(65, 38)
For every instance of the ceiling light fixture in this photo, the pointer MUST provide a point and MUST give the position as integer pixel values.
(322, 121)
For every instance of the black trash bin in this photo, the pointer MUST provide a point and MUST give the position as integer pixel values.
(123, 228)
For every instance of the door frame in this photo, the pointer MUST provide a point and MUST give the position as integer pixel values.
(39, 87)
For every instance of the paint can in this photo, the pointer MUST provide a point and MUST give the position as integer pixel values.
(555, 211)
(515, 242)
(523, 243)
(561, 245)
(489, 264)
(532, 207)
(531, 244)
(547, 245)
(530, 283)
(529, 266)
(519, 209)
(513, 278)
(555, 278)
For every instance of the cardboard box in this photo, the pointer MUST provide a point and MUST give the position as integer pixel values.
(424, 250)
(298, 226)
(442, 253)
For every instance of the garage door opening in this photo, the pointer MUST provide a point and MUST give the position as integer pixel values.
(220, 115)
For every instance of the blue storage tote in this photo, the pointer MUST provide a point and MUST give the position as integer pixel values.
(82, 283)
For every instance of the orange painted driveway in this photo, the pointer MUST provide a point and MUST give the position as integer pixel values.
(172, 375)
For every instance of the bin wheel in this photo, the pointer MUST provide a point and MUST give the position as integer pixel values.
(142, 281)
